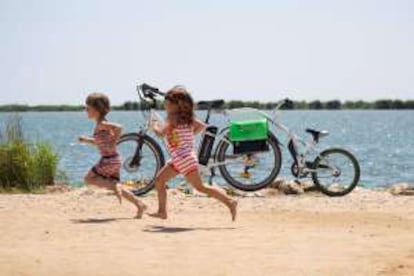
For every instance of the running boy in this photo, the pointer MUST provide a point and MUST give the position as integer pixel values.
(106, 173)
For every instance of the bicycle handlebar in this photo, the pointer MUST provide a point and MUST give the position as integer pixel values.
(147, 91)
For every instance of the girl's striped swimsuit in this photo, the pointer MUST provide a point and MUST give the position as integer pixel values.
(109, 165)
(180, 144)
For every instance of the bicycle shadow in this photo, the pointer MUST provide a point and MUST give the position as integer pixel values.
(171, 229)
(97, 220)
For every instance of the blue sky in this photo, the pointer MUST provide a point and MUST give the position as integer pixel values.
(58, 51)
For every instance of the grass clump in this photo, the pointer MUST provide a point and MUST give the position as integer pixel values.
(24, 166)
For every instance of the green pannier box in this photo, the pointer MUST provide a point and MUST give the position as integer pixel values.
(252, 130)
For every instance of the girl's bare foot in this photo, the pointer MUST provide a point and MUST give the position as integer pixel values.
(118, 192)
(158, 215)
(141, 209)
(233, 209)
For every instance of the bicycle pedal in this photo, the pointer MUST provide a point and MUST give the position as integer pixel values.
(245, 174)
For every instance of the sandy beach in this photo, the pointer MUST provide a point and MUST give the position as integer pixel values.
(85, 232)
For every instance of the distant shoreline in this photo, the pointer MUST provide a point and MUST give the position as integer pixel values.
(264, 109)
(386, 104)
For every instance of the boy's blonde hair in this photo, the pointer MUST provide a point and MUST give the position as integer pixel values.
(100, 102)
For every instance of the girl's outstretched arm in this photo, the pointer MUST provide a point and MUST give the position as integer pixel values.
(157, 128)
(198, 126)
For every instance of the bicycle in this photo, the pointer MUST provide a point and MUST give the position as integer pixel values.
(250, 168)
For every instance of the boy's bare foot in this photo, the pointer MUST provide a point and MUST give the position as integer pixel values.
(233, 209)
(118, 192)
(141, 209)
(158, 215)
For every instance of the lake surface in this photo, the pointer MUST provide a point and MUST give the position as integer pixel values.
(383, 141)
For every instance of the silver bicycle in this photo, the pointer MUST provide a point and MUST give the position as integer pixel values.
(335, 171)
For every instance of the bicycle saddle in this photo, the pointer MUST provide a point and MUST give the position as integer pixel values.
(316, 134)
(211, 104)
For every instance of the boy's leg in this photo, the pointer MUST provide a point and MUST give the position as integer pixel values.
(134, 200)
(93, 179)
(166, 173)
(194, 179)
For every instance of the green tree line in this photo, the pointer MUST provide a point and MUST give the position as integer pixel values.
(23, 108)
(297, 105)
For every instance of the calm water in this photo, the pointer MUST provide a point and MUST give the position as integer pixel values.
(383, 141)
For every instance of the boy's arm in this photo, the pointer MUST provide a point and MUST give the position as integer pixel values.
(116, 129)
(87, 140)
(198, 126)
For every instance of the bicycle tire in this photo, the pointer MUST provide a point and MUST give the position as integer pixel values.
(156, 150)
(355, 180)
(220, 157)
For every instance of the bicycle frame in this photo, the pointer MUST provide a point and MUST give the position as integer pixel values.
(300, 149)
(294, 141)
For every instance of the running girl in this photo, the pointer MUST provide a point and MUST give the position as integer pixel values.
(106, 173)
(179, 130)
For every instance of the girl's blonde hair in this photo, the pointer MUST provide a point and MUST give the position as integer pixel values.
(180, 97)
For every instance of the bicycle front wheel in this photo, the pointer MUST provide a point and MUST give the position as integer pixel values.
(251, 171)
(336, 172)
(142, 159)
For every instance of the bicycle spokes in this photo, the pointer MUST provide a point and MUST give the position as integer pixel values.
(249, 168)
(137, 174)
(335, 172)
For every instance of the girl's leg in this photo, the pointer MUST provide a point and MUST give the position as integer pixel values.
(93, 179)
(195, 180)
(166, 173)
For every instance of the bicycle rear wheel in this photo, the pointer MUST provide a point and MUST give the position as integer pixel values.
(336, 172)
(252, 171)
(142, 158)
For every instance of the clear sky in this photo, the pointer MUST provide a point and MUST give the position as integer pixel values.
(58, 51)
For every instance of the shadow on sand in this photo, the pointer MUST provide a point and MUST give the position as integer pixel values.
(167, 229)
(98, 220)
(150, 228)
